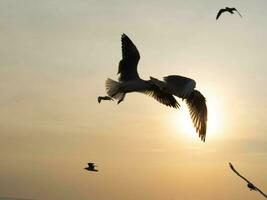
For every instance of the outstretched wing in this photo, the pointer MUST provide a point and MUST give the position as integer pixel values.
(130, 59)
(162, 97)
(196, 103)
(232, 168)
(180, 85)
(237, 12)
(220, 12)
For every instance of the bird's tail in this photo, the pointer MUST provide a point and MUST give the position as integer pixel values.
(113, 89)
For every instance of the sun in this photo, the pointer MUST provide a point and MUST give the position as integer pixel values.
(184, 124)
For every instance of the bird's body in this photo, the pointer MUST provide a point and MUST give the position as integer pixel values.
(250, 185)
(161, 90)
(91, 167)
(227, 9)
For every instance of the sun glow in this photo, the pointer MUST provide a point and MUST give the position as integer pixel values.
(185, 125)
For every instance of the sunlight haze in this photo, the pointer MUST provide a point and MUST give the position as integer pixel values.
(54, 59)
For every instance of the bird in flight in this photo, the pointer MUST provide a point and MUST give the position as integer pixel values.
(250, 185)
(161, 90)
(227, 9)
(106, 98)
(91, 167)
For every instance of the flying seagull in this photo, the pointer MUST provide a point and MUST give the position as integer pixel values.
(91, 167)
(227, 9)
(163, 91)
(106, 98)
(250, 185)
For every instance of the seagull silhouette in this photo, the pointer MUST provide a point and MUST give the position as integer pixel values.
(163, 91)
(106, 98)
(250, 185)
(91, 167)
(227, 9)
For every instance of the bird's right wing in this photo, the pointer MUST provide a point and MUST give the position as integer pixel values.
(238, 12)
(232, 168)
(196, 103)
(130, 58)
(180, 85)
(162, 97)
(220, 12)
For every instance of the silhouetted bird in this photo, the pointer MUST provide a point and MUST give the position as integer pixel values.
(91, 167)
(106, 98)
(249, 184)
(162, 91)
(227, 9)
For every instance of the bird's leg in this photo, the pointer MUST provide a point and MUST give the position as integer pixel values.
(122, 98)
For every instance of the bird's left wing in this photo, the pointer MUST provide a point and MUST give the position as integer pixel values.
(234, 170)
(196, 103)
(220, 12)
(130, 58)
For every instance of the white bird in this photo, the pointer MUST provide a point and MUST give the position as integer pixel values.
(163, 91)
(250, 185)
(227, 9)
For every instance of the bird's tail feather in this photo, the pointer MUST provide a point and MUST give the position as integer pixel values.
(112, 88)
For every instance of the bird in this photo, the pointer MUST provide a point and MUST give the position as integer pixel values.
(91, 167)
(227, 9)
(250, 185)
(106, 98)
(161, 90)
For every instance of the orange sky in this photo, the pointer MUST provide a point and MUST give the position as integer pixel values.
(54, 60)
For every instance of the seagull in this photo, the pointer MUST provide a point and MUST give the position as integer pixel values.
(161, 90)
(106, 98)
(91, 167)
(249, 184)
(227, 9)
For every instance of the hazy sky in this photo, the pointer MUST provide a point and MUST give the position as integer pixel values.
(55, 56)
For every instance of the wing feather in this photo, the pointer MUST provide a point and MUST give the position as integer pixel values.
(234, 170)
(130, 58)
(162, 97)
(196, 103)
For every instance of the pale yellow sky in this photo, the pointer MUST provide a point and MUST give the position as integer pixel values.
(54, 59)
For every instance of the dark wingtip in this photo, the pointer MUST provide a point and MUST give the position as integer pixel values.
(123, 35)
(231, 166)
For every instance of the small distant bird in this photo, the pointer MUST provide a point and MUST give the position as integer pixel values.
(227, 9)
(250, 185)
(91, 167)
(106, 98)
(163, 91)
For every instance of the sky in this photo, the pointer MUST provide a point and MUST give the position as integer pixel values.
(54, 59)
